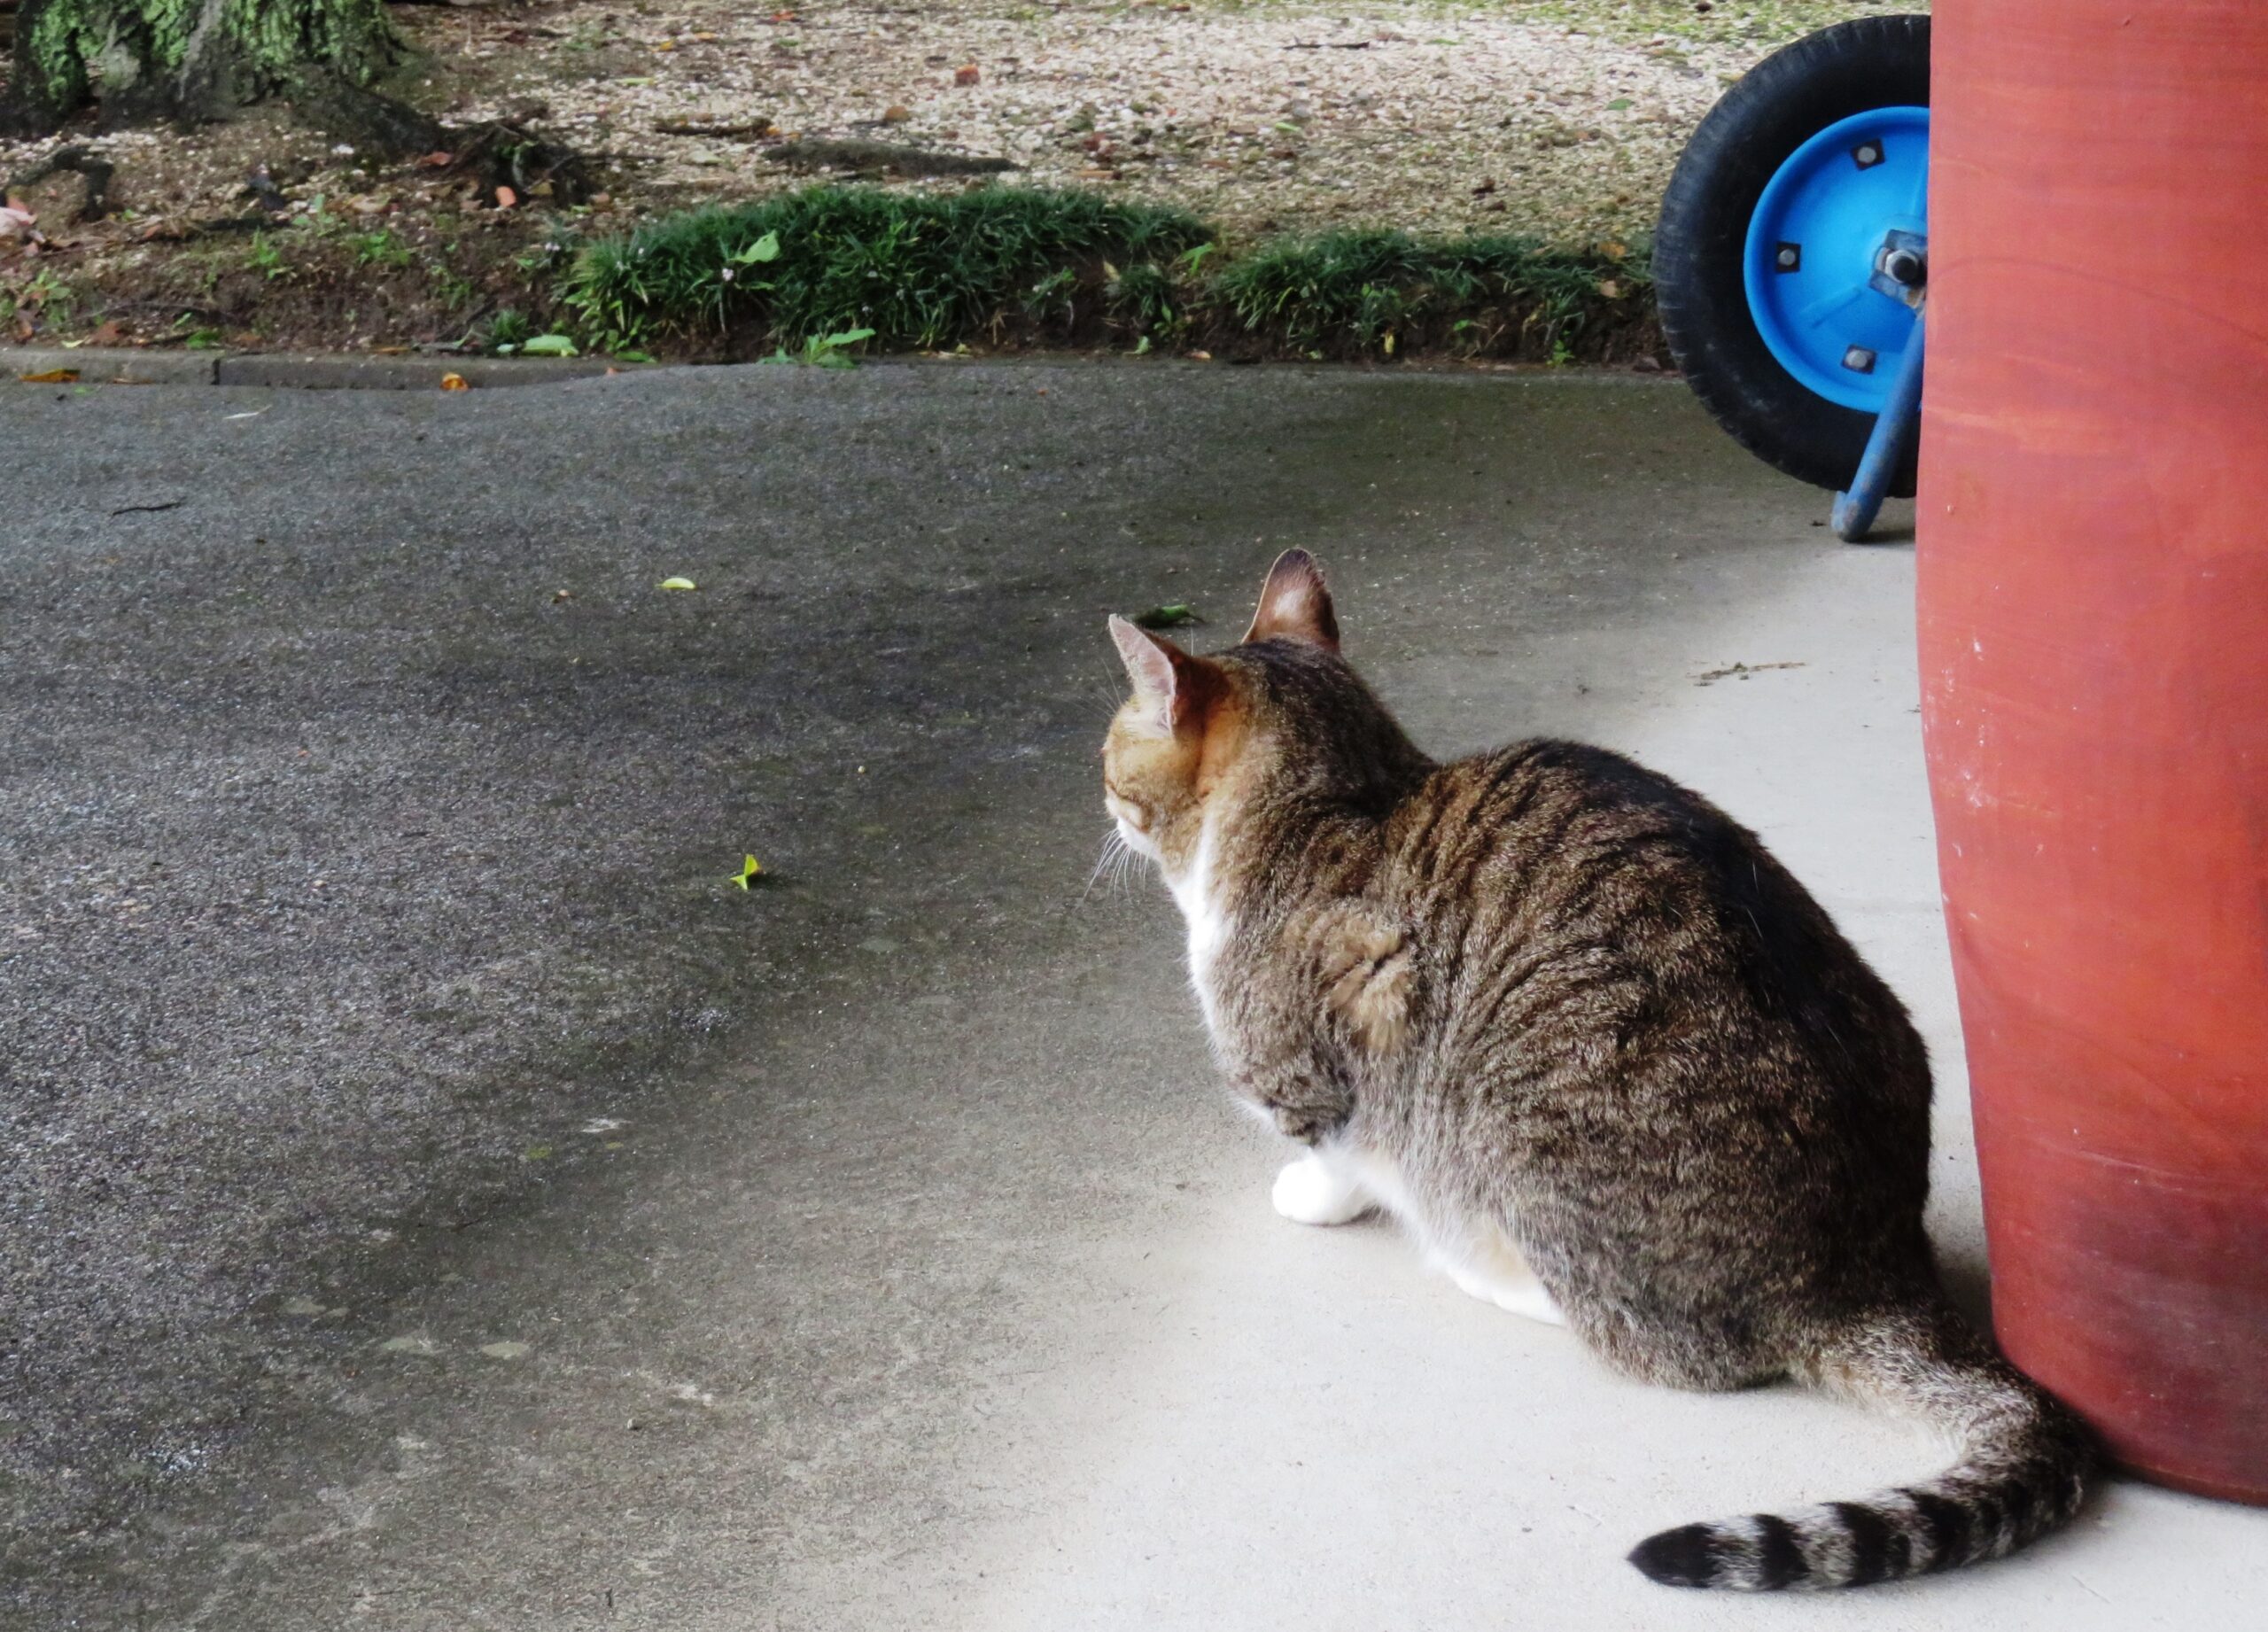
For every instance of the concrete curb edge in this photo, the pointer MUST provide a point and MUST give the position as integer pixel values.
(292, 371)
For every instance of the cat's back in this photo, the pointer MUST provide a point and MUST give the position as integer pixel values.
(1549, 847)
(1533, 811)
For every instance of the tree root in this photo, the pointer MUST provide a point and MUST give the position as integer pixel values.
(884, 156)
(95, 169)
(497, 154)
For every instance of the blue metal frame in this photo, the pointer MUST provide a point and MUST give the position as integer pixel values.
(1895, 428)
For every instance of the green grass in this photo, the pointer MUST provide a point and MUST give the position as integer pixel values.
(1384, 290)
(920, 271)
(1030, 265)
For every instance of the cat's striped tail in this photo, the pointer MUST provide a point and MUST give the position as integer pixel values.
(2023, 1467)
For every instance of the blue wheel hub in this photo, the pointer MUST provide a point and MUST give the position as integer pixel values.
(1838, 253)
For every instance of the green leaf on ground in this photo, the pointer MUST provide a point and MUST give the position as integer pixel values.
(751, 869)
(1172, 616)
(679, 583)
(550, 345)
(765, 248)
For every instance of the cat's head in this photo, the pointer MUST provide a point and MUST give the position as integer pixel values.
(1198, 730)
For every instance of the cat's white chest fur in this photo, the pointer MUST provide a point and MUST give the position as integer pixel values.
(1209, 926)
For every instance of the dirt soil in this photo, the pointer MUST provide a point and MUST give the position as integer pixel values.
(1559, 118)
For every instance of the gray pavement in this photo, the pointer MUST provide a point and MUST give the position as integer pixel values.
(435, 1197)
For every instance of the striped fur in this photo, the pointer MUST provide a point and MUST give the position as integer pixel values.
(1577, 1024)
(2022, 1472)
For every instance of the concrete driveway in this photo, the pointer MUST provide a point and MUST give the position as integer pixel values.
(435, 1196)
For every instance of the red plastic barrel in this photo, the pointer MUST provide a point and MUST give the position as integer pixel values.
(2094, 657)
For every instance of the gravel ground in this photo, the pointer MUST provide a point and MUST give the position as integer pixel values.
(1559, 118)
(1264, 118)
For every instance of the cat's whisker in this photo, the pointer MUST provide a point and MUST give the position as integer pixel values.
(1125, 867)
(1114, 848)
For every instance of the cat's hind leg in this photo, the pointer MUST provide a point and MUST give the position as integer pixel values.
(1321, 1188)
(1493, 1270)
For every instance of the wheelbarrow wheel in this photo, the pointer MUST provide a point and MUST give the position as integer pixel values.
(1766, 261)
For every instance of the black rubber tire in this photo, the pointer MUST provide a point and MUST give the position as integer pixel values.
(1871, 62)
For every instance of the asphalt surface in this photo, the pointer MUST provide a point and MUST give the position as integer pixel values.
(437, 1196)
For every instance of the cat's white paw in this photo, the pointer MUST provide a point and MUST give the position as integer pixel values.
(1313, 1190)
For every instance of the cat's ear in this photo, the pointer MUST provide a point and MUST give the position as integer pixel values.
(1295, 605)
(1163, 674)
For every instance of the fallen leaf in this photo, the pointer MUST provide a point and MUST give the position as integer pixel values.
(750, 868)
(53, 377)
(456, 382)
(1199, 356)
(966, 74)
(1173, 617)
(506, 198)
(550, 345)
(506, 1350)
(679, 583)
(1739, 671)
(437, 162)
(897, 113)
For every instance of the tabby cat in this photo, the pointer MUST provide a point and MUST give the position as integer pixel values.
(1596, 1050)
